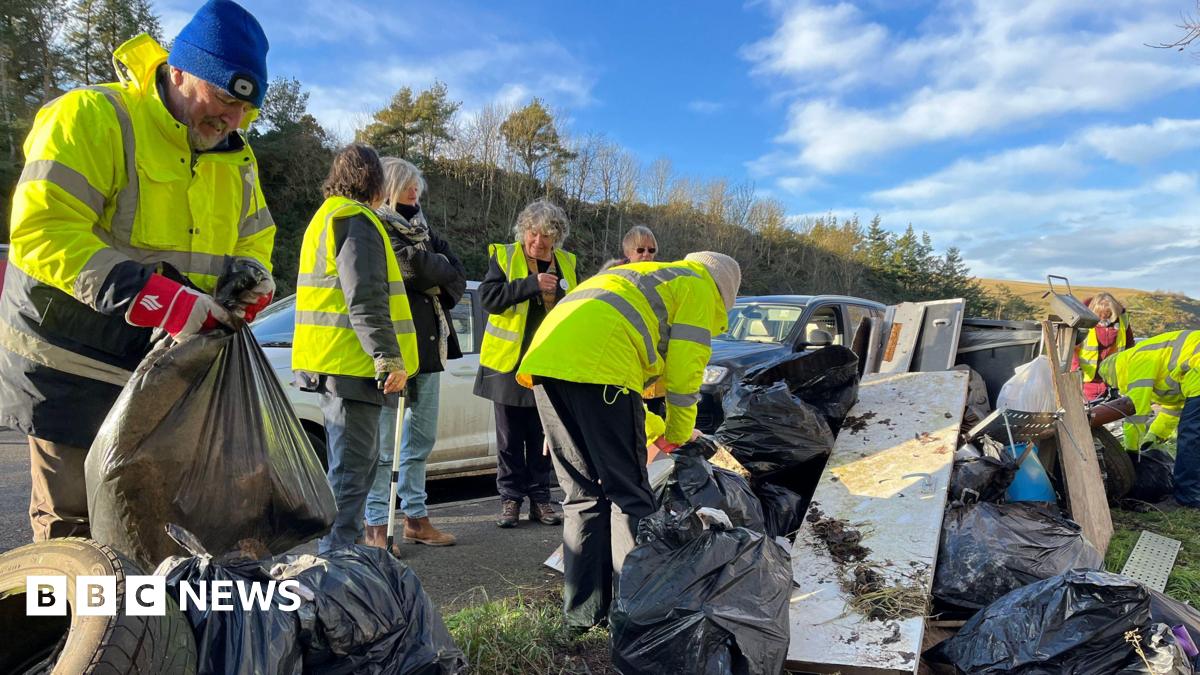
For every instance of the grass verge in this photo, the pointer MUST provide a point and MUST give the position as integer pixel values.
(1178, 523)
(524, 634)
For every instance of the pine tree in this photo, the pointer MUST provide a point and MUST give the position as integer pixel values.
(394, 127)
(531, 136)
(98, 27)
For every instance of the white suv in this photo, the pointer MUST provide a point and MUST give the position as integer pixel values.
(466, 437)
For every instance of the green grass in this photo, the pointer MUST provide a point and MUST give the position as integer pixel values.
(524, 634)
(1182, 524)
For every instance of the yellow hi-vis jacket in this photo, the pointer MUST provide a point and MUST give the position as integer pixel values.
(502, 336)
(326, 340)
(110, 192)
(630, 326)
(1089, 351)
(1154, 372)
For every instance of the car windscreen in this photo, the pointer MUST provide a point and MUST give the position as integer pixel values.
(276, 324)
(758, 322)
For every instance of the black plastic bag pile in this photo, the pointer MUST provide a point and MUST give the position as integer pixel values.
(701, 601)
(694, 483)
(826, 379)
(1154, 476)
(359, 611)
(988, 550)
(1075, 622)
(203, 437)
(980, 479)
(369, 614)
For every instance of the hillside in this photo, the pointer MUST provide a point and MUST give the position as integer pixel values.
(1152, 312)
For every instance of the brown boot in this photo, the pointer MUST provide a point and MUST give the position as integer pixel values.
(376, 535)
(510, 513)
(421, 531)
(544, 513)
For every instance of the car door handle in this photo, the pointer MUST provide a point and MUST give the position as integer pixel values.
(463, 372)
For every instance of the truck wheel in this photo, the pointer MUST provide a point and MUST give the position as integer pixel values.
(85, 644)
(1115, 464)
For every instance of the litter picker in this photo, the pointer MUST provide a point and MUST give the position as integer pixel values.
(397, 436)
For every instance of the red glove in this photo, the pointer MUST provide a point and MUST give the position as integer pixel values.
(664, 445)
(175, 308)
(257, 306)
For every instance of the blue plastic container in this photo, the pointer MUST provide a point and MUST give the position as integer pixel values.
(1031, 484)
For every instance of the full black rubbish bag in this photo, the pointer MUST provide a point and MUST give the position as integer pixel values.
(694, 482)
(1071, 623)
(783, 510)
(1154, 476)
(767, 428)
(981, 479)
(203, 437)
(702, 602)
(989, 549)
(825, 378)
(264, 641)
(369, 614)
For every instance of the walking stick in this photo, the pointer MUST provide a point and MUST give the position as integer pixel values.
(398, 437)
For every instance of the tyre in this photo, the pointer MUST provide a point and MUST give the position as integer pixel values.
(1116, 467)
(317, 440)
(97, 645)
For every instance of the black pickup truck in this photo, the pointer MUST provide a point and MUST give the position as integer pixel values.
(766, 326)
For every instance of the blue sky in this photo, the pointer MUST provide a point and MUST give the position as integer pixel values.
(1038, 137)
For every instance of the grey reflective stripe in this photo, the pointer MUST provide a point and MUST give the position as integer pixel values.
(1154, 347)
(1086, 348)
(127, 198)
(339, 320)
(256, 222)
(70, 180)
(623, 307)
(212, 264)
(247, 175)
(93, 273)
(396, 287)
(501, 333)
(1177, 348)
(683, 400)
(39, 351)
(648, 285)
(1170, 412)
(1139, 384)
(1137, 419)
(651, 381)
(687, 333)
(311, 280)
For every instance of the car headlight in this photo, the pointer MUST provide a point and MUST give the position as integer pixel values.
(714, 374)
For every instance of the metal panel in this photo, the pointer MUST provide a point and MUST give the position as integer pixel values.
(1151, 560)
(901, 341)
(937, 348)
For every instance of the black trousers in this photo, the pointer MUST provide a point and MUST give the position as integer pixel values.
(598, 441)
(521, 468)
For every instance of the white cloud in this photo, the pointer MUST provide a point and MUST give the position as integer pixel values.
(986, 69)
(1144, 143)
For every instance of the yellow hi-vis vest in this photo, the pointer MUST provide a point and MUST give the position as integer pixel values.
(1153, 372)
(501, 346)
(110, 176)
(325, 341)
(1089, 351)
(631, 325)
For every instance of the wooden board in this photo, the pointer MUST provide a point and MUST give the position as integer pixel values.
(887, 477)
(901, 341)
(1076, 452)
(937, 348)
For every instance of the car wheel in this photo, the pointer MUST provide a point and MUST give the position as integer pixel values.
(85, 644)
(316, 438)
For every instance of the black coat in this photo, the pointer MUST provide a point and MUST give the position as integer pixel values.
(434, 266)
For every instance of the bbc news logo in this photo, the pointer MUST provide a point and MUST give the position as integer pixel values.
(146, 595)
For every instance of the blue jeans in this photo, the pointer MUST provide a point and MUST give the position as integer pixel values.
(420, 433)
(1187, 455)
(352, 427)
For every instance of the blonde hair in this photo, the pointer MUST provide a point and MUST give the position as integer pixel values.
(397, 175)
(1104, 297)
(636, 233)
(545, 217)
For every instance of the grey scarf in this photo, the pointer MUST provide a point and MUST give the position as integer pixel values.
(417, 231)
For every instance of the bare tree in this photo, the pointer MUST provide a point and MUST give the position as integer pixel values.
(659, 179)
(1190, 25)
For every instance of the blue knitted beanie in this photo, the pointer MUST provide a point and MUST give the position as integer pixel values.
(224, 45)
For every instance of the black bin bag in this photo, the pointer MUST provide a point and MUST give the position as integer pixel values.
(989, 549)
(204, 437)
(1071, 623)
(767, 428)
(825, 378)
(783, 509)
(694, 482)
(369, 614)
(1154, 476)
(264, 641)
(981, 479)
(702, 602)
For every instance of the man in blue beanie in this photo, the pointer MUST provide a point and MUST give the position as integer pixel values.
(135, 199)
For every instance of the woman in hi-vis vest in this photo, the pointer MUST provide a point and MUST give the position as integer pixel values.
(1113, 334)
(525, 279)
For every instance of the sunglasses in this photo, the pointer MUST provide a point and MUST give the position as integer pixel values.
(643, 249)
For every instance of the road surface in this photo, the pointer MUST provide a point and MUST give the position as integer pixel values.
(487, 562)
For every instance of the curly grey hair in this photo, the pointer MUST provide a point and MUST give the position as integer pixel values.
(397, 175)
(546, 217)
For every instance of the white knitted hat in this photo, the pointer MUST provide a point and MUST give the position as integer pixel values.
(724, 270)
